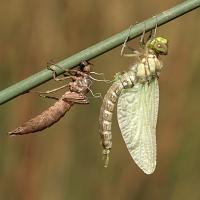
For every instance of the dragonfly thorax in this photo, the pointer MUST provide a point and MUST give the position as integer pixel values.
(148, 68)
(81, 85)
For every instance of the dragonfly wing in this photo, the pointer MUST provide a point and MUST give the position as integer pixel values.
(137, 113)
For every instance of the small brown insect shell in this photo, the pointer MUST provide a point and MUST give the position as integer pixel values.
(85, 66)
(78, 88)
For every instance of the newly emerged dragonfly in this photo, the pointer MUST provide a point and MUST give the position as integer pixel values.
(79, 86)
(137, 108)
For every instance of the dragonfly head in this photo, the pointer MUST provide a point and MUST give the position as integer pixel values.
(159, 45)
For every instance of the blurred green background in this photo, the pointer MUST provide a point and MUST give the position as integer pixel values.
(64, 161)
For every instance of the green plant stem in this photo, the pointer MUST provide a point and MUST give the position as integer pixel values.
(98, 49)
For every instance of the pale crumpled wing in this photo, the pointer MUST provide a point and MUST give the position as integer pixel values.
(137, 112)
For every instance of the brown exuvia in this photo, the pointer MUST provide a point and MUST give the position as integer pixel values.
(79, 86)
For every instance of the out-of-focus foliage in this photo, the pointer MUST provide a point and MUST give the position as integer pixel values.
(64, 161)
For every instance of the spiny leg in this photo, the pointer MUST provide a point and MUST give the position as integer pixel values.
(155, 29)
(76, 98)
(151, 35)
(66, 76)
(50, 91)
(49, 97)
(142, 42)
(95, 95)
(44, 96)
(153, 32)
(52, 66)
(99, 80)
(134, 53)
(125, 46)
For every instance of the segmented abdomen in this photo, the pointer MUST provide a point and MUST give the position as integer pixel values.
(105, 118)
(46, 118)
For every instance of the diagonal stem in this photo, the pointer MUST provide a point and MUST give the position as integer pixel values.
(98, 49)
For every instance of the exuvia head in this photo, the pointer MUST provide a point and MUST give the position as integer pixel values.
(159, 45)
(85, 66)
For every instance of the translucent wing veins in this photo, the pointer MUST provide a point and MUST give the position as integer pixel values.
(137, 112)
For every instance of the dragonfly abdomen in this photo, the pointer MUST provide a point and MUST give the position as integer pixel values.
(105, 119)
(45, 119)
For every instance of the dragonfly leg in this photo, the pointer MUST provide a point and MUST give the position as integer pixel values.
(153, 31)
(151, 35)
(49, 97)
(134, 53)
(142, 42)
(66, 76)
(53, 65)
(76, 98)
(124, 45)
(71, 73)
(95, 95)
(100, 80)
(50, 91)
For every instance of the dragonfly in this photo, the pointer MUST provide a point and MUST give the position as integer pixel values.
(136, 93)
(79, 86)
